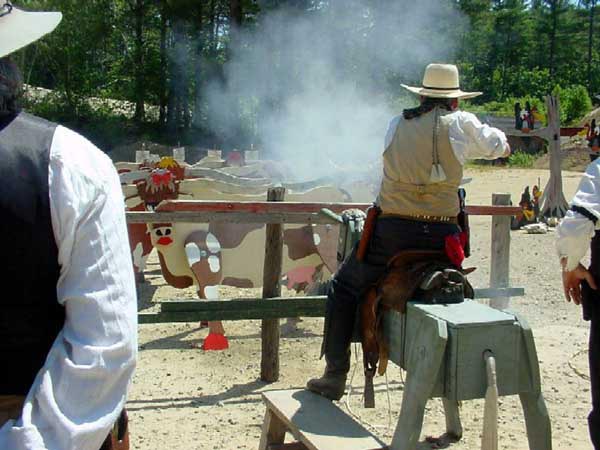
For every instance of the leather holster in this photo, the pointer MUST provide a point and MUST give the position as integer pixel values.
(373, 213)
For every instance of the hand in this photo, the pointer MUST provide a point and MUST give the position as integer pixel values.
(572, 282)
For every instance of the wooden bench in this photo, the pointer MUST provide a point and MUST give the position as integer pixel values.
(315, 422)
(442, 349)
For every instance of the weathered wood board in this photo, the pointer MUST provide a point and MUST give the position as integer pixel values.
(318, 423)
(255, 308)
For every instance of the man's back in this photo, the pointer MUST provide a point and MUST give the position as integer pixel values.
(31, 315)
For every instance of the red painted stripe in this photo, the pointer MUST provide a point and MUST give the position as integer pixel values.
(570, 131)
(299, 207)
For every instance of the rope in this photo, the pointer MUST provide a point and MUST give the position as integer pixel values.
(579, 373)
(349, 394)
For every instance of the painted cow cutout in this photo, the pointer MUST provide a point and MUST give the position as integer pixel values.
(221, 253)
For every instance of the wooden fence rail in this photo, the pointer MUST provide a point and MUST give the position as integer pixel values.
(201, 211)
(271, 308)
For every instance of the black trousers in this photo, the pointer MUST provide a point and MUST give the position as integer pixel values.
(591, 312)
(593, 309)
(354, 277)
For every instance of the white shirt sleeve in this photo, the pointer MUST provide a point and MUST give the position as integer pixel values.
(470, 139)
(575, 231)
(80, 391)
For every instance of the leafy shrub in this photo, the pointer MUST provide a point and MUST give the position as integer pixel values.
(521, 159)
(505, 108)
(100, 123)
(574, 103)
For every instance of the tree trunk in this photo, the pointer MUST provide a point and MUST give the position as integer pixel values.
(590, 45)
(199, 70)
(212, 13)
(172, 99)
(505, 62)
(178, 103)
(140, 89)
(162, 119)
(235, 13)
(234, 134)
(198, 87)
(554, 16)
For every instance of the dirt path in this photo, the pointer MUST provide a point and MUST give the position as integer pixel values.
(184, 399)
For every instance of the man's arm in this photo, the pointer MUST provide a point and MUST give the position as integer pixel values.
(575, 232)
(81, 389)
(572, 242)
(471, 139)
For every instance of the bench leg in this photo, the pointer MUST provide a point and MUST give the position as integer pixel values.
(489, 437)
(537, 421)
(273, 431)
(424, 361)
(453, 425)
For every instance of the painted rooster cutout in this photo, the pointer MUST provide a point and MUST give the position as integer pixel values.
(152, 185)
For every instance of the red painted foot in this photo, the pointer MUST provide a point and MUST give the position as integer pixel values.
(215, 341)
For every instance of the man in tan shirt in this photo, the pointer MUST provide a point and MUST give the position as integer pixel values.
(425, 150)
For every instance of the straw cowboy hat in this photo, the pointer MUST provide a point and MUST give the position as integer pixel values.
(441, 81)
(19, 28)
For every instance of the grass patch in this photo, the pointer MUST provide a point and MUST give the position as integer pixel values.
(522, 160)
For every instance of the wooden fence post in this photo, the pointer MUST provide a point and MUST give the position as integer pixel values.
(269, 364)
(500, 261)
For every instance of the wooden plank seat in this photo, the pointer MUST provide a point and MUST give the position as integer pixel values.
(273, 308)
(315, 422)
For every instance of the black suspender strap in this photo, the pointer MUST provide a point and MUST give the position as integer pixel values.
(584, 212)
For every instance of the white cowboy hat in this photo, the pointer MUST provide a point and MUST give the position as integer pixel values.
(19, 28)
(441, 81)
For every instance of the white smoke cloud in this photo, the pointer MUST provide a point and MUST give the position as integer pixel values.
(319, 89)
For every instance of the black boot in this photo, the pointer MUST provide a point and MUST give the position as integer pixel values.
(339, 327)
(333, 382)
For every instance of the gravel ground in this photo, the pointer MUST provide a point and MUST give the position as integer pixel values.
(184, 398)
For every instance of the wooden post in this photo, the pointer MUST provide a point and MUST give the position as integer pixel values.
(500, 261)
(553, 202)
(269, 365)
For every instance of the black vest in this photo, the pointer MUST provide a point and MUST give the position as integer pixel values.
(30, 316)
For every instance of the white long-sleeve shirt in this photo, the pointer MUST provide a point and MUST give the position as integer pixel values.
(575, 231)
(469, 138)
(80, 391)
